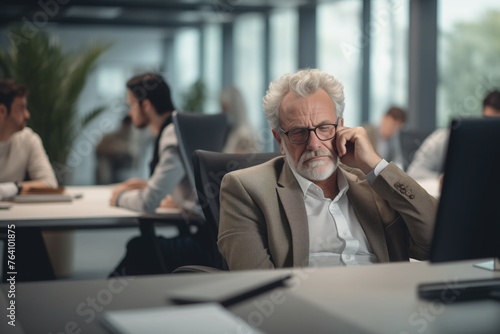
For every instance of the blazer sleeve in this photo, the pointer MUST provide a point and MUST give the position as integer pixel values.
(413, 203)
(242, 237)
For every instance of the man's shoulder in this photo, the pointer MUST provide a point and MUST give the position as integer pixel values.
(26, 134)
(263, 171)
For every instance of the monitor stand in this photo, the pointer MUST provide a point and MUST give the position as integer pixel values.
(493, 265)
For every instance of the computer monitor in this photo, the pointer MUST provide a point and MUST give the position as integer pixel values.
(468, 218)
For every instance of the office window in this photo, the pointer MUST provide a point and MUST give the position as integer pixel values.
(212, 66)
(284, 38)
(388, 37)
(187, 70)
(249, 63)
(340, 42)
(468, 54)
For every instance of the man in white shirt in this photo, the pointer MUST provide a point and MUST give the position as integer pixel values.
(331, 200)
(150, 105)
(23, 165)
(428, 162)
(23, 159)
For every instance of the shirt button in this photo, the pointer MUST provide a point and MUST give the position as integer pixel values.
(348, 257)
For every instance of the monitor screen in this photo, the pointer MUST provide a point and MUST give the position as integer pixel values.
(468, 218)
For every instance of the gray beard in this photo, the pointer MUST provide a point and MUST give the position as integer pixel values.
(313, 171)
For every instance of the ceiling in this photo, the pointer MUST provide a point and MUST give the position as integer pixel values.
(130, 13)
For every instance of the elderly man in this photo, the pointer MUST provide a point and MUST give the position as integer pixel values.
(331, 200)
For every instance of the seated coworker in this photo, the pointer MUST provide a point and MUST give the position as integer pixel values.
(330, 200)
(428, 162)
(23, 165)
(21, 150)
(148, 97)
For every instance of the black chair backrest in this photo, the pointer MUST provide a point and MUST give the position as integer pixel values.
(410, 142)
(209, 169)
(199, 131)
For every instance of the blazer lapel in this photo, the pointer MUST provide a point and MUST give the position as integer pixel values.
(365, 207)
(292, 200)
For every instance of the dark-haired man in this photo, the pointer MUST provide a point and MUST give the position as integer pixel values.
(22, 156)
(385, 137)
(23, 165)
(150, 105)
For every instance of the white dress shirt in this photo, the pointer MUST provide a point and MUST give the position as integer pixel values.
(335, 234)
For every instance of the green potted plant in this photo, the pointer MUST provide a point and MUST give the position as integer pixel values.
(194, 98)
(55, 79)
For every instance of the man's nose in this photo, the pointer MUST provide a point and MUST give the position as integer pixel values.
(313, 140)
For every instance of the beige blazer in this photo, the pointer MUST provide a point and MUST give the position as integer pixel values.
(263, 221)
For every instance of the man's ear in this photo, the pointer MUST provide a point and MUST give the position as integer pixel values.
(147, 106)
(341, 121)
(3, 110)
(278, 139)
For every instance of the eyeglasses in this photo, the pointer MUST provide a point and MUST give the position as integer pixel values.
(301, 135)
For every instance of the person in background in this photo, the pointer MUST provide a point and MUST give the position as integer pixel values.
(385, 137)
(24, 162)
(148, 97)
(428, 162)
(330, 200)
(24, 165)
(115, 153)
(241, 138)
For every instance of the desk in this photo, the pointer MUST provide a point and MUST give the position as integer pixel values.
(377, 298)
(92, 210)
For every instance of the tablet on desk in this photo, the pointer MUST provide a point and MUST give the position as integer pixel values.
(5, 206)
(42, 198)
(228, 290)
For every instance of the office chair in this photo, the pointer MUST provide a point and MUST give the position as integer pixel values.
(199, 131)
(194, 131)
(410, 142)
(209, 169)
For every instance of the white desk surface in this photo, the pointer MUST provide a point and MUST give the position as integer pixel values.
(380, 298)
(383, 298)
(92, 207)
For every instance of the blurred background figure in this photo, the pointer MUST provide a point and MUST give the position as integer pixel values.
(23, 160)
(116, 154)
(429, 159)
(385, 137)
(242, 137)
